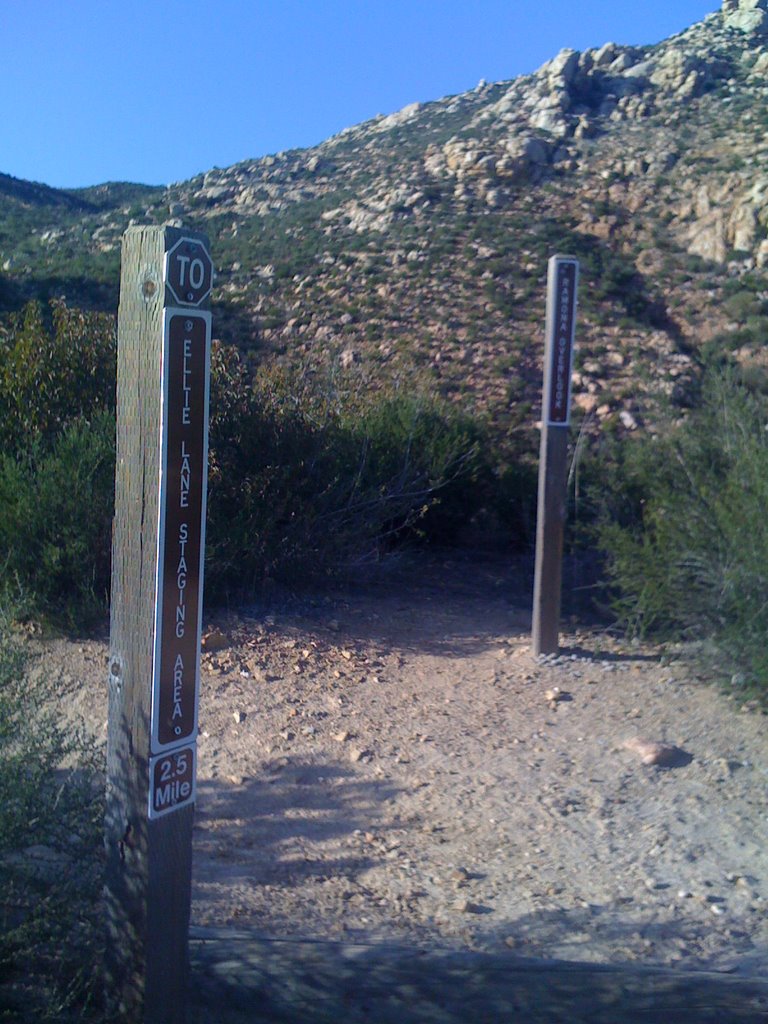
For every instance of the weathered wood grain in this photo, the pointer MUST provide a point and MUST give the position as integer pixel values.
(148, 863)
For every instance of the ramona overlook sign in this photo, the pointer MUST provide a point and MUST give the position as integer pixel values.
(188, 273)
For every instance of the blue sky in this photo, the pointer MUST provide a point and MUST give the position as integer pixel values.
(156, 91)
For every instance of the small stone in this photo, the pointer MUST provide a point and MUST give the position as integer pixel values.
(214, 640)
(750, 705)
(466, 907)
(746, 881)
(652, 752)
(239, 716)
(346, 655)
(553, 695)
(717, 910)
(356, 755)
(343, 736)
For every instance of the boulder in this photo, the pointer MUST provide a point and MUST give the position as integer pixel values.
(561, 70)
(748, 16)
(707, 237)
(606, 55)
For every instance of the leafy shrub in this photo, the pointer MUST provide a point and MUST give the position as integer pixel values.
(685, 530)
(307, 478)
(51, 376)
(56, 508)
(424, 461)
(307, 474)
(51, 815)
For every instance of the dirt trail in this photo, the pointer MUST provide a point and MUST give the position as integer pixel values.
(386, 764)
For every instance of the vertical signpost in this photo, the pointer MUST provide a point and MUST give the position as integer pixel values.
(164, 334)
(562, 286)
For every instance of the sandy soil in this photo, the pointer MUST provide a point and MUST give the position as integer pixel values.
(386, 763)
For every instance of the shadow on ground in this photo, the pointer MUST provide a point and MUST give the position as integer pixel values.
(238, 978)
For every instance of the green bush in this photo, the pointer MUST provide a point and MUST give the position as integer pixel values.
(56, 508)
(685, 530)
(53, 375)
(51, 818)
(308, 475)
(307, 478)
(424, 462)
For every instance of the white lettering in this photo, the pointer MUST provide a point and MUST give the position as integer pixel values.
(184, 477)
(196, 273)
(178, 682)
(186, 387)
(181, 580)
(164, 795)
(171, 793)
(183, 260)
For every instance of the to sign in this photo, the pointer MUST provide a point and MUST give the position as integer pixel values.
(184, 460)
(561, 327)
(188, 272)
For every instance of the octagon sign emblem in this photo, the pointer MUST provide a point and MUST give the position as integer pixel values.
(189, 272)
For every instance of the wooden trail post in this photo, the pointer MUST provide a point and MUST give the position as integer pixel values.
(164, 332)
(562, 285)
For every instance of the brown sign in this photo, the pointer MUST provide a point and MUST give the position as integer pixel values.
(188, 272)
(171, 781)
(561, 327)
(182, 527)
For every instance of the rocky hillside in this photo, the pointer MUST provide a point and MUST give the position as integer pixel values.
(413, 247)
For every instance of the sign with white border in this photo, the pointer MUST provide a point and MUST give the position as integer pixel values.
(188, 272)
(172, 781)
(181, 533)
(561, 329)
